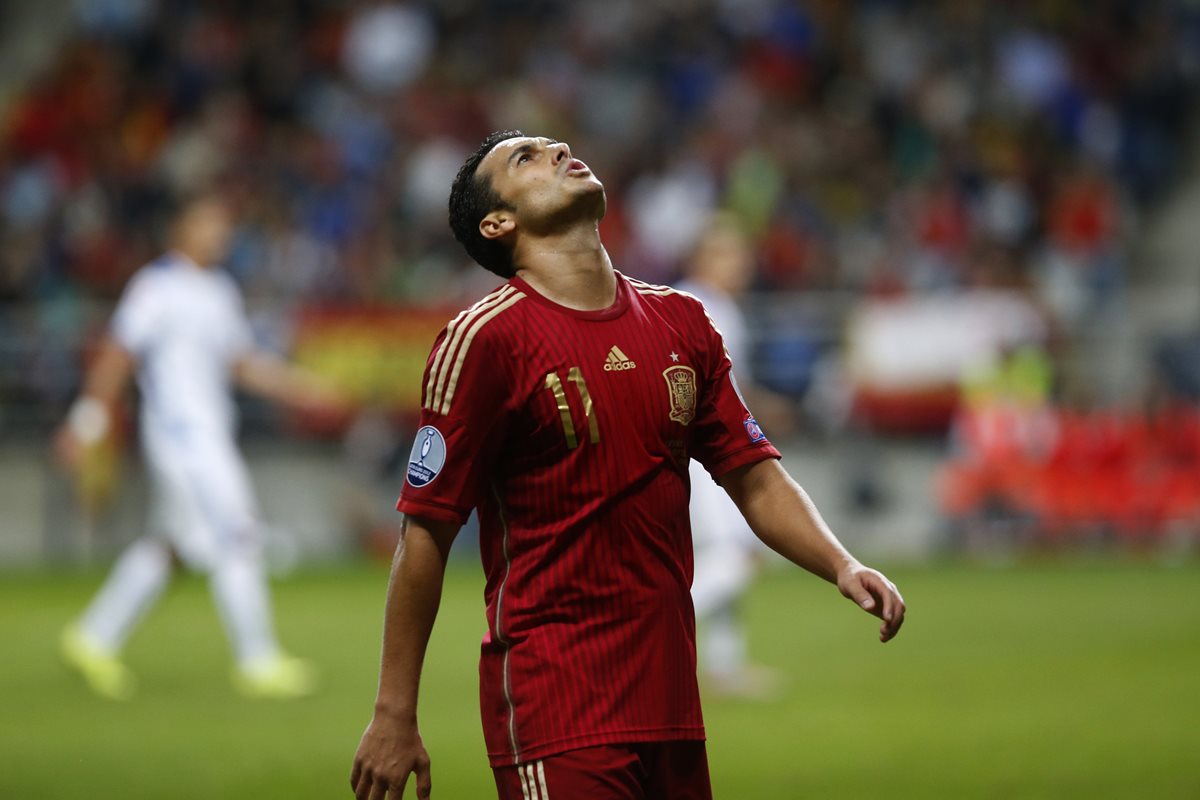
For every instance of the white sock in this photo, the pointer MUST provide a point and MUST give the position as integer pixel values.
(723, 646)
(134, 584)
(239, 589)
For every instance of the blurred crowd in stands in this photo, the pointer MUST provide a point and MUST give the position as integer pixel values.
(882, 148)
(874, 146)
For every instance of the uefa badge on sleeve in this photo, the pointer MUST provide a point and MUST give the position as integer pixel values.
(427, 458)
(753, 430)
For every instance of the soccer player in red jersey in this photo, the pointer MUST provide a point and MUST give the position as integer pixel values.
(565, 407)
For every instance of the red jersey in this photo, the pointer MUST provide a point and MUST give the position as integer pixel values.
(570, 432)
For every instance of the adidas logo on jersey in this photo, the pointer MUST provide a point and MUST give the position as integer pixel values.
(618, 361)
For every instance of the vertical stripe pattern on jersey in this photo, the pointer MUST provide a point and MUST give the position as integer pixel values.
(507, 675)
(651, 290)
(450, 340)
(449, 384)
(585, 541)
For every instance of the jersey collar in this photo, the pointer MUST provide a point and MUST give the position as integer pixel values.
(612, 312)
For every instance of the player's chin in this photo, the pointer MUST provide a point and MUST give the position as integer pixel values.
(596, 189)
(590, 195)
(587, 184)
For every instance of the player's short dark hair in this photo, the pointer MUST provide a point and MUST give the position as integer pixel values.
(471, 199)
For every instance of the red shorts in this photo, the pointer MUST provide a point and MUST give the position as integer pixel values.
(642, 771)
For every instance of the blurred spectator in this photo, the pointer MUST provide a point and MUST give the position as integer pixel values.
(865, 147)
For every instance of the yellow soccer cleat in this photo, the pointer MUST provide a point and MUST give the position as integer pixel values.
(101, 669)
(280, 678)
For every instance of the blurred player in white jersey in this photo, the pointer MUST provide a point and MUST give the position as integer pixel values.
(727, 553)
(181, 329)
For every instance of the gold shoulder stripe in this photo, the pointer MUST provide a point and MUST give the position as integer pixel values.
(662, 291)
(641, 287)
(452, 337)
(508, 303)
(645, 285)
(451, 329)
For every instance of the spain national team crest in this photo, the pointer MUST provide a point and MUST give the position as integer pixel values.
(681, 384)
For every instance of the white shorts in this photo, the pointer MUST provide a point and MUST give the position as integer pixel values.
(203, 501)
(723, 543)
(716, 521)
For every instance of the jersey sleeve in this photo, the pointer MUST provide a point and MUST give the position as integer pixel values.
(462, 406)
(726, 435)
(138, 318)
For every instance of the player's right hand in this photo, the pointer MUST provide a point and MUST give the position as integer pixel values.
(391, 749)
(68, 450)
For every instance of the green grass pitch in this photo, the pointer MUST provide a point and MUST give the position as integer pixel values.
(1046, 680)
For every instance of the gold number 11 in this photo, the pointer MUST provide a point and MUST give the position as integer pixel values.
(554, 384)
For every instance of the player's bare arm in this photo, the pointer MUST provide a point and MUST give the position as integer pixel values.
(268, 376)
(90, 417)
(781, 513)
(391, 748)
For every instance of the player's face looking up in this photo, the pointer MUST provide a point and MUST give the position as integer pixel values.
(203, 230)
(543, 187)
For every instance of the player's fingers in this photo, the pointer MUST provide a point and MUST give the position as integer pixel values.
(885, 590)
(424, 780)
(67, 452)
(421, 771)
(857, 592)
(379, 790)
(362, 787)
(882, 589)
(892, 625)
(355, 774)
(898, 618)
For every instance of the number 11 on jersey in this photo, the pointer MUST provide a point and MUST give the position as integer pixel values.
(555, 385)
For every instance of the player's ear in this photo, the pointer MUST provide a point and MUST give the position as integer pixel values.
(496, 224)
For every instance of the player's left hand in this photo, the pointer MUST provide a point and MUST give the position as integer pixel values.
(875, 594)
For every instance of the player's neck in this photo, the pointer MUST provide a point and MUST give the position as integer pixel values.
(572, 269)
(189, 258)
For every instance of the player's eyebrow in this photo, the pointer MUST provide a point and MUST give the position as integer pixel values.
(525, 148)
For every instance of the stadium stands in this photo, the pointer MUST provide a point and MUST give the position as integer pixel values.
(882, 149)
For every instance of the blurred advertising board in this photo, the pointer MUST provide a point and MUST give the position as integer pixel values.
(908, 357)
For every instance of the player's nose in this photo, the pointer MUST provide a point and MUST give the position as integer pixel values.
(562, 152)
